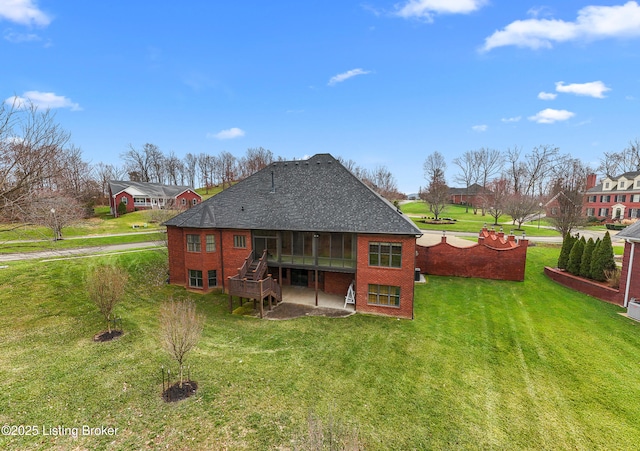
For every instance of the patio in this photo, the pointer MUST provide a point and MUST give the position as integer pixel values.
(300, 301)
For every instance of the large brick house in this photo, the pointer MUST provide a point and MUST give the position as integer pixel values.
(615, 198)
(147, 196)
(310, 223)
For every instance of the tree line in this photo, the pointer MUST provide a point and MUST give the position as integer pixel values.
(45, 180)
(513, 182)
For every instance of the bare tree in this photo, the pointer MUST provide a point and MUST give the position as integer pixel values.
(181, 328)
(190, 169)
(226, 168)
(52, 210)
(436, 196)
(520, 207)
(570, 175)
(384, 183)
(468, 174)
(254, 160)
(137, 164)
(31, 145)
(434, 167)
(206, 165)
(489, 163)
(174, 169)
(500, 192)
(615, 163)
(437, 192)
(156, 160)
(106, 287)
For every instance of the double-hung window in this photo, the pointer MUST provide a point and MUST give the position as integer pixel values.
(193, 243)
(385, 254)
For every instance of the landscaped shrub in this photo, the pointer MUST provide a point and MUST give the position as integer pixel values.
(122, 209)
(587, 254)
(602, 259)
(567, 244)
(575, 257)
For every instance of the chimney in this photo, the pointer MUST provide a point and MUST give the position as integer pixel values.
(591, 181)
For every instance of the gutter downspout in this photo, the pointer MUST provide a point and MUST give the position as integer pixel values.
(626, 289)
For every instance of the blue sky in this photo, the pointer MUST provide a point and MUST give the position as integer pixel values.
(380, 82)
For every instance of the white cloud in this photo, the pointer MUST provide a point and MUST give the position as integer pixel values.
(549, 116)
(480, 128)
(17, 38)
(346, 75)
(425, 9)
(593, 22)
(24, 12)
(511, 119)
(592, 89)
(547, 95)
(231, 133)
(47, 100)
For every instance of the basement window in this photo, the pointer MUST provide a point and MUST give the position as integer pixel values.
(240, 241)
(386, 295)
(195, 278)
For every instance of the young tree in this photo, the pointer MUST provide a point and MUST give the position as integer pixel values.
(520, 207)
(181, 328)
(468, 174)
(106, 286)
(53, 211)
(436, 196)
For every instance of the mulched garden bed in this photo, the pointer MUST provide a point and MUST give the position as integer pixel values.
(107, 336)
(177, 393)
(286, 310)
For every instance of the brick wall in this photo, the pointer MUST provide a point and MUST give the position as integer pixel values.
(590, 287)
(337, 282)
(188, 197)
(482, 260)
(397, 277)
(226, 259)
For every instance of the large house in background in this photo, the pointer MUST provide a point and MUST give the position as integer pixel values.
(615, 198)
(308, 223)
(147, 196)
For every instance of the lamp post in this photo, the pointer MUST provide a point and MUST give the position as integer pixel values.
(539, 214)
(56, 233)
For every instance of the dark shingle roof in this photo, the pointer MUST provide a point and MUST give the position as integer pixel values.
(631, 233)
(471, 191)
(318, 194)
(147, 189)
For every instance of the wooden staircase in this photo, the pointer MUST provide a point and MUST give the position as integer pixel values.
(251, 283)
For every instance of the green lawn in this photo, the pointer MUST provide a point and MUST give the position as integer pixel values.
(469, 222)
(484, 365)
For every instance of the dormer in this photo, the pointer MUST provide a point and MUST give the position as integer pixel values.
(624, 183)
(636, 182)
(608, 184)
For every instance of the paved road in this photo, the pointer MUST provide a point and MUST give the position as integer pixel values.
(432, 236)
(82, 251)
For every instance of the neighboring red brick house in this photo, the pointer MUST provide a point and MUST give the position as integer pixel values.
(315, 224)
(614, 199)
(147, 196)
(473, 195)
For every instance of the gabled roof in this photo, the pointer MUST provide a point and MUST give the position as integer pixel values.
(471, 191)
(630, 233)
(144, 189)
(318, 194)
(599, 188)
